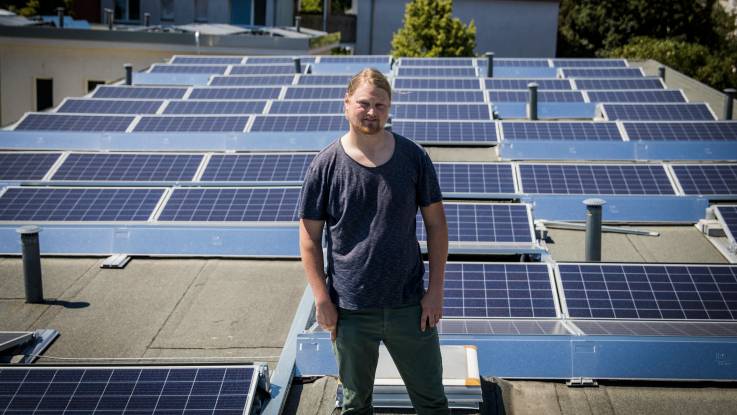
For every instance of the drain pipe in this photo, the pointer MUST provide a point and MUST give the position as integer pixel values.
(489, 64)
(128, 73)
(729, 94)
(593, 229)
(31, 264)
(297, 23)
(661, 72)
(60, 15)
(146, 19)
(532, 103)
(297, 65)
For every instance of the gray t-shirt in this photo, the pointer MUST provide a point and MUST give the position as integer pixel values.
(370, 215)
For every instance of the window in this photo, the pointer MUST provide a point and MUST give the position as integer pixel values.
(44, 94)
(127, 10)
(167, 10)
(200, 10)
(91, 85)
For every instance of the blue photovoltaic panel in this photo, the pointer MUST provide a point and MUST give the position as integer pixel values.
(542, 96)
(296, 123)
(262, 70)
(204, 60)
(257, 167)
(215, 107)
(518, 63)
(295, 92)
(109, 106)
(692, 131)
(221, 390)
(191, 124)
(589, 63)
(128, 167)
(441, 112)
(560, 131)
(337, 80)
(232, 205)
(595, 179)
(447, 131)
(234, 93)
(446, 95)
(356, 59)
(475, 177)
(497, 290)
(26, 166)
(484, 223)
(78, 204)
(468, 62)
(436, 83)
(707, 179)
(139, 92)
(306, 107)
(728, 216)
(201, 69)
(69, 122)
(252, 80)
(278, 60)
(652, 292)
(610, 84)
(602, 73)
(436, 72)
(657, 112)
(522, 84)
(651, 95)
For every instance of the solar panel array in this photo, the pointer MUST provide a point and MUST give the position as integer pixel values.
(603, 179)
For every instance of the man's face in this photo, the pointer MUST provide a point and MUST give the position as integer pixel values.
(367, 110)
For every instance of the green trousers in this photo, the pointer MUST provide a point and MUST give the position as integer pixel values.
(415, 353)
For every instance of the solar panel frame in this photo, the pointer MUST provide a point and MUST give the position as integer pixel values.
(108, 106)
(128, 167)
(311, 107)
(138, 92)
(542, 96)
(594, 179)
(378, 59)
(251, 80)
(21, 166)
(205, 60)
(568, 130)
(708, 179)
(628, 72)
(522, 84)
(298, 123)
(213, 107)
(197, 69)
(234, 93)
(314, 92)
(460, 62)
(459, 179)
(448, 132)
(337, 80)
(692, 111)
(442, 95)
(727, 215)
(596, 84)
(656, 328)
(697, 296)
(505, 327)
(637, 96)
(453, 112)
(10, 339)
(516, 63)
(271, 60)
(436, 83)
(257, 168)
(675, 130)
(590, 63)
(192, 123)
(73, 122)
(444, 71)
(263, 69)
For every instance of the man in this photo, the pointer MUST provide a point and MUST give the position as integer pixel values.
(366, 187)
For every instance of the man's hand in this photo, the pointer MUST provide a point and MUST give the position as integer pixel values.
(432, 308)
(327, 317)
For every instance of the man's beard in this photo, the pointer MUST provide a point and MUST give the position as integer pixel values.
(369, 128)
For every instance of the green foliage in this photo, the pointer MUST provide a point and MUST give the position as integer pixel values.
(29, 8)
(430, 30)
(315, 6)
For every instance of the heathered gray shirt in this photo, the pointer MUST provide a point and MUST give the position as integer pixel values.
(370, 213)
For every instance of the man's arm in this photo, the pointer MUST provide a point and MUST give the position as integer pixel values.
(310, 249)
(437, 248)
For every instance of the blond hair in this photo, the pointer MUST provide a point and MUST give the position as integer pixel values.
(370, 76)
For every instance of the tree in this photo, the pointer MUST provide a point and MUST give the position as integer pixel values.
(430, 30)
(29, 8)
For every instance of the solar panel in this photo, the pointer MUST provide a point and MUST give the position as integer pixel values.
(436, 83)
(602, 73)
(476, 223)
(232, 205)
(293, 123)
(128, 167)
(436, 62)
(596, 179)
(716, 130)
(341, 80)
(204, 60)
(436, 72)
(172, 123)
(295, 92)
(234, 93)
(610, 84)
(516, 63)
(278, 59)
(649, 291)
(502, 327)
(257, 167)
(479, 178)
(26, 166)
(589, 63)
(651, 95)
(215, 107)
(542, 96)
(441, 112)
(447, 131)
(560, 131)
(252, 80)
(521, 84)
(200, 69)
(707, 179)
(727, 215)
(222, 390)
(657, 328)
(112, 106)
(497, 290)
(663, 112)
(70, 122)
(446, 95)
(139, 92)
(306, 107)
(78, 204)
(10, 339)
(262, 70)
(356, 59)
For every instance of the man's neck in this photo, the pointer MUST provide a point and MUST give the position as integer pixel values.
(367, 144)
